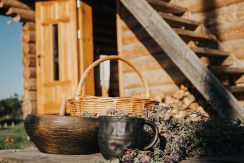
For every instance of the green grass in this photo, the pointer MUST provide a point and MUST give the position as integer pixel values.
(13, 138)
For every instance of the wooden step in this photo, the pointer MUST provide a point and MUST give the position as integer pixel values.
(227, 70)
(178, 22)
(167, 7)
(194, 36)
(166, 0)
(236, 89)
(209, 52)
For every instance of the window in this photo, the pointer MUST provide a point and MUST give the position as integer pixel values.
(55, 52)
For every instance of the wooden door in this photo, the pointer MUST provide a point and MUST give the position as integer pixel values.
(57, 59)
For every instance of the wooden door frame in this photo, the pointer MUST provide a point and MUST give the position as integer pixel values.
(74, 79)
(85, 45)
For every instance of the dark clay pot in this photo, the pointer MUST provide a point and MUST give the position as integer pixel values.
(116, 134)
(63, 134)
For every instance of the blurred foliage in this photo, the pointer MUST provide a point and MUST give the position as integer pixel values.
(11, 107)
(13, 137)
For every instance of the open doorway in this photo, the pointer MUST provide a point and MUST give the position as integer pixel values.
(105, 42)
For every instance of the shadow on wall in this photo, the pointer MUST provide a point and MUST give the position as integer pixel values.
(160, 57)
(150, 48)
(166, 64)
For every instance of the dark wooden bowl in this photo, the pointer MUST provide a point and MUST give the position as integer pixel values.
(63, 134)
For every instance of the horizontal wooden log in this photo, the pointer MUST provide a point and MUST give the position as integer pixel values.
(232, 14)
(227, 70)
(30, 95)
(202, 6)
(29, 26)
(160, 77)
(29, 36)
(138, 49)
(29, 73)
(29, 61)
(178, 22)
(235, 47)
(21, 14)
(18, 18)
(29, 107)
(30, 84)
(154, 91)
(29, 48)
(150, 62)
(17, 4)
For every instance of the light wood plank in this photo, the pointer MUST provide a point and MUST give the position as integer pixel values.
(210, 52)
(236, 89)
(227, 70)
(186, 34)
(178, 22)
(167, 7)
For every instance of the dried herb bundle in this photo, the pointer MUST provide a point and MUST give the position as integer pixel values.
(111, 112)
(180, 138)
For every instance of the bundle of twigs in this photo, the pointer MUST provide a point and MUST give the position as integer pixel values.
(180, 138)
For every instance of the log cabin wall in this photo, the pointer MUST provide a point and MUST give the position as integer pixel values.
(162, 75)
(29, 68)
(224, 18)
(24, 12)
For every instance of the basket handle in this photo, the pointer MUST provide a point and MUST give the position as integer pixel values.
(112, 57)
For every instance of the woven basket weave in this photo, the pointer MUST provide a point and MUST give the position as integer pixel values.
(99, 105)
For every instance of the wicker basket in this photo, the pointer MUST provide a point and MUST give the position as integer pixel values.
(99, 105)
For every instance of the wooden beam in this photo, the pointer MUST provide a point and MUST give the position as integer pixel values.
(28, 36)
(210, 52)
(29, 26)
(29, 48)
(16, 3)
(236, 89)
(30, 84)
(179, 22)
(21, 14)
(29, 60)
(194, 35)
(29, 73)
(227, 70)
(223, 102)
(167, 7)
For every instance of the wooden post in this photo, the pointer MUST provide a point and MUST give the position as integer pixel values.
(14, 3)
(21, 14)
